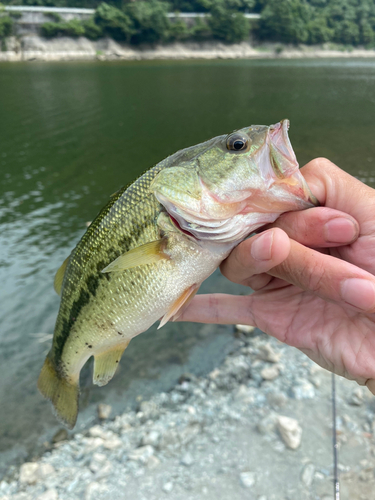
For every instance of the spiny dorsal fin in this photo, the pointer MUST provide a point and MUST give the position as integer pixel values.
(145, 254)
(57, 284)
(106, 363)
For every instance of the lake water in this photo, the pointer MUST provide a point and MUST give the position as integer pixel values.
(71, 134)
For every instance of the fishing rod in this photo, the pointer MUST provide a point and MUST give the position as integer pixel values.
(336, 484)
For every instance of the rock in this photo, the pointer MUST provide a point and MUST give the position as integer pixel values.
(263, 497)
(142, 454)
(104, 411)
(187, 459)
(168, 487)
(267, 424)
(151, 438)
(303, 390)
(307, 474)
(60, 435)
(50, 494)
(246, 329)
(248, 479)
(112, 443)
(97, 462)
(357, 397)
(45, 470)
(153, 462)
(95, 490)
(32, 472)
(290, 431)
(266, 353)
(277, 399)
(28, 473)
(270, 372)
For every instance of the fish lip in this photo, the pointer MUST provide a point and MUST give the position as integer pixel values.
(279, 140)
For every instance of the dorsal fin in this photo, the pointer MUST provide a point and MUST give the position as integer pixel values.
(57, 284)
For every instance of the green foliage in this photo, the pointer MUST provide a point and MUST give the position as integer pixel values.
(285, 21)
(92, 30)
(6, 26)
(113, 22)
(227, 24)
(54, 16)
(149, 20)
(178, 30)
(73, 28)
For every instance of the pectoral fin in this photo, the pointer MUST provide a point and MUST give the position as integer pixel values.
(106, 363)
(179, 305)
(57, 284)
(145, 254)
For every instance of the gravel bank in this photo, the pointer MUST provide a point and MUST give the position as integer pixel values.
(257, 427)
(36, 48)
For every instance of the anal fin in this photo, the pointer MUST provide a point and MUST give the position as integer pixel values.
(106, 363)
(179, 305)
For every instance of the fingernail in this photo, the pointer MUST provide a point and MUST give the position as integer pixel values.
(359, 293)
(340, 230)
(262, 246)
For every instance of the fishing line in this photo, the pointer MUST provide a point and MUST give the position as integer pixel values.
(336, 484)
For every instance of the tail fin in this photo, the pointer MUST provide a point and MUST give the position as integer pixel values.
(62, 393)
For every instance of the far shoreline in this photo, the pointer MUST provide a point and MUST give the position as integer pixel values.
(35, 48)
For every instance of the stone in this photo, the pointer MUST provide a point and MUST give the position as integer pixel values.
(95, 490)
(168, 487)
(303, 390)
(50, 494)
(28, 473)
(151, 438)
(187, 459)
(267, 424)
(142, 454)
(246, 329)
(104, 411)
(97, 462)
(270, 372)
(45, 470)
(277, 399)
(357, 397)
(248, 479)
(266, 353)
(112, 443)
(307, 474)
(153, 462)
(290, 431)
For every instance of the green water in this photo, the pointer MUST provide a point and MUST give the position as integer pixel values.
(73, 133)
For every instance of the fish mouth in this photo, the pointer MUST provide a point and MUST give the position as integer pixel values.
(282, 156)
(284, 162)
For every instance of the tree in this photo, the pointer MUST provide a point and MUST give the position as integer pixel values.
(149, 21)
(227, 24)
(113, 22)
(285, 21)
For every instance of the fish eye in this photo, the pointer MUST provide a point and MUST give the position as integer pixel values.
(238, 142)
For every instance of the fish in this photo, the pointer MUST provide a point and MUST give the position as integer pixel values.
(149, 249)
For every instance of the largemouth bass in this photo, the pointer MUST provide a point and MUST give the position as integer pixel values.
(147, 252)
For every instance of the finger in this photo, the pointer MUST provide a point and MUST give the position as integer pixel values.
(337, 189)
(256, 255)
(328, 277)
(219, 308)
(319, 227)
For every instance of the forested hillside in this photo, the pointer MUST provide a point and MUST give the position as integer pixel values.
(349, 22)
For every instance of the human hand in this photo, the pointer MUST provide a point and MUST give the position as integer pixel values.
(313, 273)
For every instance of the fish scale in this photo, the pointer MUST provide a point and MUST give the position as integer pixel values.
(147, 252)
